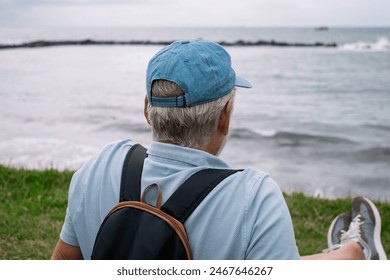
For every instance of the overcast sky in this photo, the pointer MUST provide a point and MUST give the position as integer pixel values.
(37, 13)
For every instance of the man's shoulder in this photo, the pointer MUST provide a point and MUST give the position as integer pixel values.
(111, 151)
(254, 178)
(102, 172)
(109, 159)
(116, 146)
(257, 184)
(247, 185)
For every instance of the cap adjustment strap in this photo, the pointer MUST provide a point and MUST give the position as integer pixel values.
(177, 101)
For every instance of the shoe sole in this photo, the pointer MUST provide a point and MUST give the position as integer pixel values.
(377, 230)
(329, 236)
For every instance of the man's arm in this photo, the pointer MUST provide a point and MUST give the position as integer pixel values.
(64, 251)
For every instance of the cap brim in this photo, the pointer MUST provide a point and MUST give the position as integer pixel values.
(241, 82)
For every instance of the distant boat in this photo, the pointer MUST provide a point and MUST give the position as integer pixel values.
(321, 28)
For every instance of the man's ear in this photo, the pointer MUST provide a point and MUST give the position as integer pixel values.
(146, 114)
(224, 118)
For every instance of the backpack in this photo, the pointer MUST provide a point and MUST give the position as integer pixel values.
(136, 230)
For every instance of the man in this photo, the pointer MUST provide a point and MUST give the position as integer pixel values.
(190, 95)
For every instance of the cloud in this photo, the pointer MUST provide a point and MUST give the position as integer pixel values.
(66, 12)
(193, 12)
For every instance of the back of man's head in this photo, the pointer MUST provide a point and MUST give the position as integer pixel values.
(184, 126)
(188, 85)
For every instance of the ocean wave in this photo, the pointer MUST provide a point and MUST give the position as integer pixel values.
(298, 137)
(125, 127)
(285, 137)
(374, 154)
(382, 44)
(89, 42)
(379, 126)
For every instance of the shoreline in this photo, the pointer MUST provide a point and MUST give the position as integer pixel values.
(289, 192)
(89, 42)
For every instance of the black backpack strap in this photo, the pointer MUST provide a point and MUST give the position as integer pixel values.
(131, 173)
(191, 193)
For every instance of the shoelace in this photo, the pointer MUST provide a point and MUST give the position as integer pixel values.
(353, 233)
(353, 230)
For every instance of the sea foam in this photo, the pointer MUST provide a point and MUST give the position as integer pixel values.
(382, 44)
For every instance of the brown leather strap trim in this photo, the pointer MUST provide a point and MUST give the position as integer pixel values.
(175, 224)
(159, 195)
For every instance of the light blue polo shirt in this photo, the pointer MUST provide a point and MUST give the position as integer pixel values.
(244, 217)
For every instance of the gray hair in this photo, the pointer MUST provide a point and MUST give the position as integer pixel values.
(185, 126)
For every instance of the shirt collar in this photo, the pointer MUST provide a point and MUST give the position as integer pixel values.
(184, 156)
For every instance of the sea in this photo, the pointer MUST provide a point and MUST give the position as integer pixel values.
(317, 119)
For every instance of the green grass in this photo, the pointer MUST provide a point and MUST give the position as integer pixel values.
(33, 204)
(32, 210)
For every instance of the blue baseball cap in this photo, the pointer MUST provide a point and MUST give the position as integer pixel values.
(202, 69)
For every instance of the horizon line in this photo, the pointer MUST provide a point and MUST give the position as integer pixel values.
(198, 26)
